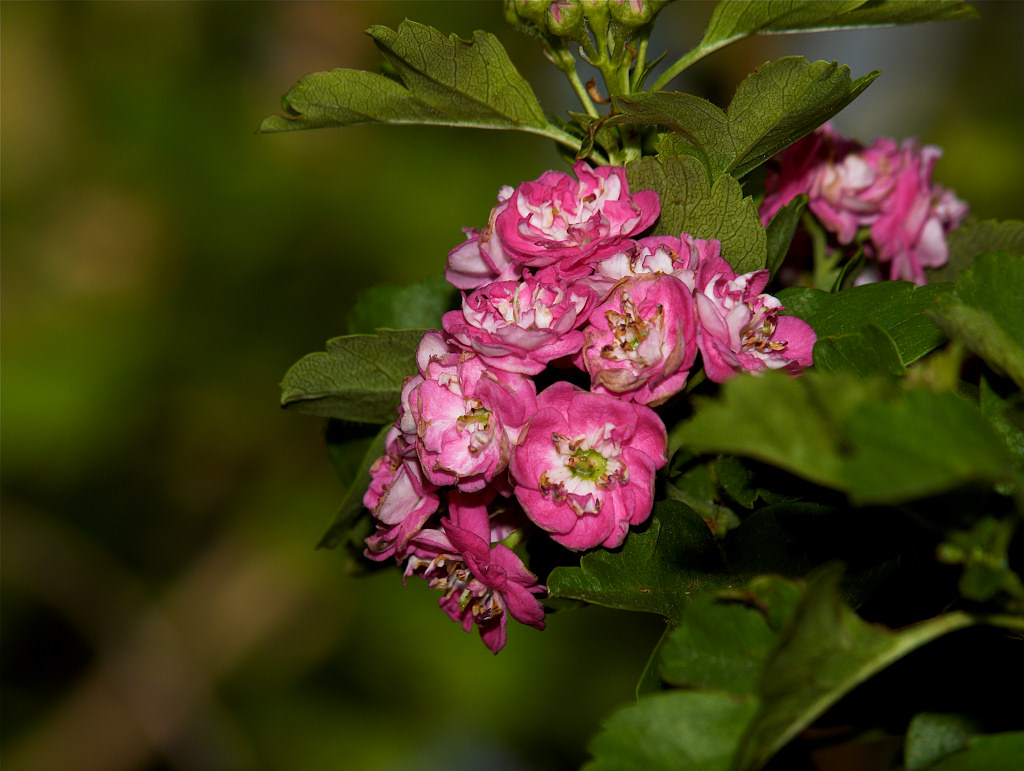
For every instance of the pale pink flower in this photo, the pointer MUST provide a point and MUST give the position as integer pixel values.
(464, 415)
(886, 187)
(664, 255)
(642, 340)
(584, 471)
(482, 582)
(740, 329)
(400, 496)
(520, 326)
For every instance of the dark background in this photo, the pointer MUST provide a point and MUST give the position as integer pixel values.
(163, 606)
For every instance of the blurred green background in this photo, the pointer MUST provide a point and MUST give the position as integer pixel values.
(163, 605)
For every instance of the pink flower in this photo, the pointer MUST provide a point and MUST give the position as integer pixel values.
(482, 582)
(913, 220)
(642, 341)
(664, 255)
(520, 326)
(885, 187)
(740, 329)
(584, 471)
(465, 416)
(401, 498)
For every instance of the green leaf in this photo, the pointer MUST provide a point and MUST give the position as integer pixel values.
(351, 523)
(671, 731)
(969, 242)
(445, 81)
(691, 204)
(824, 652)
(358, 378)
(868, 351)
(993, 752)
(931, 737)
(414, 306)
(780, 231)
(984, 312)
(862, 436)
(719, 646)
(984, 552)
(656, 570)
(895, 306)
(922, 443)
(784, 100)
(777, 104)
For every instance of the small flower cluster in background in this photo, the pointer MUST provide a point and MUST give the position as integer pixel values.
(882, 195)
(560, 285)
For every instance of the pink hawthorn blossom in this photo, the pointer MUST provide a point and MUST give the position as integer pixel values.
(400, 496)
(584, 471)
(886, 187)
(664, 255)
(740, 329)
(553, 220)
(520, 326)
(642, 340)
(464, 416)
(482, 582)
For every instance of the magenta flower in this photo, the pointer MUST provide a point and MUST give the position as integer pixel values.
(740, 329)
(464, 415)
(584, 471)
(885, 187)
(664, 255)
(913, 220)
(482, 582)
(559, 220)
(642, 341)
(401, 498)
(520, 326)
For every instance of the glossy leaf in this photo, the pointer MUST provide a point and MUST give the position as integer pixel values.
(691, 204)
(969, 242)
(824, 652)
(444, 81)
(414, 306)
(897, 307)
(352, 509)
(868, 351)
(358, 377)
(670, 731)
(774, 106)
(658, 568)
(984, 312)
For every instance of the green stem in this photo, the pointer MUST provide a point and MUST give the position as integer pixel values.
(566, 62)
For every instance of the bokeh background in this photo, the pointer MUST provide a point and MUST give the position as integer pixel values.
(163, 605)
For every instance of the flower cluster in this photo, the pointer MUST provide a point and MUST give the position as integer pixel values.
(560, 279)
(885, 187)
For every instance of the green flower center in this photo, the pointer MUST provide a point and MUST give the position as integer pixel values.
(587, 464)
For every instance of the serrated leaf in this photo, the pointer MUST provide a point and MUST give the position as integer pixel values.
(671, 731)
(352, 509)
(861, 436)
(774, 106)
(734, 20)
(824, 652)
(656, 570)
(895, 306)
(358, 377)
(414, 306)
(984, 312)
(930, 737)
(445, 81)
(868, 351)
(782, 101)
(969, 242)
(691, 204)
